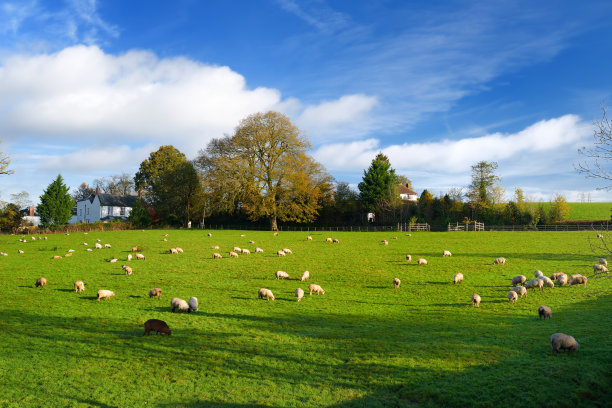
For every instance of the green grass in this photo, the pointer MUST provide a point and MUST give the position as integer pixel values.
(361, 344)
(590, 211)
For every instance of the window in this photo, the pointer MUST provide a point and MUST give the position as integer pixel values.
(122, 211)
(87, 211)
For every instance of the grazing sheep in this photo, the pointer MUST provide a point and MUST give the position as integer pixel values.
(600, 268)
(577, 280)
(216, 255)
(215, 247)
(538, 273)
(305, 276)
(385, 242)
(140, 256)
(299, 294)
(396, 283)
(328, 240)
(544, 312)
(79, 286)
(129, 257)
(105, 294)
(127, 269)
(280, 253)
(45, 238)
(282, 275)
(237, 249)
(245, 251)
(535, 283)
(107, 245)
(209, 234)
(243, 235)
(520, 290)
(603, 261)
(519, 280)
(265, 293)
(547, 282)
(315, 288)
(56, 257)
(42, 282)
(164, 240)
(447, 253)
(89, 250)
(155, 292)
(156, 325)
(193, 304)
(476, 300)
(173, 251)
(179, 305)
(458, 278)
(555, 275)
(422, 261)
(600, 236)
(98, 245)
(562, 341)
(19, 251)
(112, 260)
(67, 255)
(287, 251)
(258, 250)
(335, 241)
(276, 234)
(393, 237)
(233, 254)
(499, 261)
(408, 235)
(408, 257)
(135, 249)
(179, 250)
(251, 242)
(309, 238)
(512, 296)
(562, 279)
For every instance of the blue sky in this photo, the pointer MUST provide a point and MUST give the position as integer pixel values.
(89, 88)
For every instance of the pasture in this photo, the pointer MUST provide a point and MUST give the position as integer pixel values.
(362, 343)
(590, 211)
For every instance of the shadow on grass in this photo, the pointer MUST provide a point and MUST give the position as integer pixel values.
(65, 290)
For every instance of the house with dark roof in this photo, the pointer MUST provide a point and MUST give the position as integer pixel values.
(406, 193)
(103, 207)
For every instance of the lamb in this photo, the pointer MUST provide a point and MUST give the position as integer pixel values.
(193, 304)
(155, 292)
(280, 253)
(233, 254)
(156, 325)
(519, 280)
(282, 275)
(537, 273)
(42, 282)
(237, 249)
(309, 238)
(535, 283)
(422, 261)
(600, 268)
(335, 241)
(179, 305)
(265, 293)
(562, 341)
(98, 245)
(140, 256)
(315, 288)
(547, 282)
(512, 296)
(215, 247)
(216, 255)
(299, 294)
(476, 300)
(447, 253)
(328, 240)
(385, 242)
(245, 251)
(544, 312)
(562, 279)
(396, 283)
(127, 269)
(578, 280)
(499, 261)
(287, 251)
(79, 286)
(173, 251)
(408, 257)
(105, 294)
(305, 276)
(129, 257)
(458, 278)
(258, 250)
(603, 261)
(520, 290)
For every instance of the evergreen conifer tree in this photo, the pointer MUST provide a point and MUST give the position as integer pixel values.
(55, 204)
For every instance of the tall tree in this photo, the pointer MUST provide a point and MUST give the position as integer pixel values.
(264, 170)
(379, 183)
(55, 204)
(559, 208)
(484, 179)
(117, 184)
(10, 217)
(4, 163)
(599, 157)
(151, 170)
(84, 191)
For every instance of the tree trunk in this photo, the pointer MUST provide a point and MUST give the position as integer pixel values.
(273, 225)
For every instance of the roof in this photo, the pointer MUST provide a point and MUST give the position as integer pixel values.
(402, 189)
(117, 201)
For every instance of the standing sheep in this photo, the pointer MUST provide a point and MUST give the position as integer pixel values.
(105, 294)
(396, 283)
(562, 341)
(215, 247)
(155, 292)
(265, 293)
(555, 275)
(512, 296)
(603, 261)
(520, 290)
(135, 249)
(535, 283)
(422, 261)
(335, 241)
(127, 269)
(315, 288)
(547, 282)
(476, 300)
(499, 261)
(173, 251)
(287, 251)
(385, 242)
(577, 280)
(562, 279)
(42, 282)
(599, 236)
(280, 253)
(79, 286)
(600, 268)
(328, 240)
(129, 257)
(305, 276)
(538, 273)
(155, 325)
(458, 278)
(98, 245)
(179, 250)
(193, 304)
(245, 251)
(258, 251)
(233, 254)
(282, 275)
(544, 312)
(299, 294)
(179, 305)
(447, 253)
(140, 256)
(107, 245)
(309, 238)
(408, 257)
(519, 280)
(216, 255)
(237, 249)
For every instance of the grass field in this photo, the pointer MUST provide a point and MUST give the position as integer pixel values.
(590, 211)
(362, 343)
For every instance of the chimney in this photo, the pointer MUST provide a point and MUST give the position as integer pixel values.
(31, 211)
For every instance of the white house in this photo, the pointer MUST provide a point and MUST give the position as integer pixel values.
(30, 215)
(406, 193)
(103, 207)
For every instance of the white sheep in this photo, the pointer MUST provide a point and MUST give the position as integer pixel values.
(209, 234)
(98, 245)
(107, 245)
(79, 286)
(519, 280)
(129, 257)
(335, 241)
(42, 282)
(458, 278)
(127, 269)
(233, 254)
(512, 296)
(577, 280)
(535, 283)
(155, 292)
(476, 300)
(89, 250)
(520, 290)
(422, 261)
(280, 253)
(179, 304)
(193, 304)
(562, 341)
(499, 261)
(287, 251)
(396, 283)
(309, 238)
(538, 273)
(215, 247)
(113, 260)
(447, 253)
(385, 242)
(599, 236)
(547, 281)
(315, 288)
(173, 251)
(562, 279)
(282, 275)
(258, 251)
(105, 294)
(19, 251)
(408, 257)
(245, 251)
(305, 276)
(328, 240)
(555, 275)
(237, 249)
(600, 268)
(299, 294)
(216, 255)
(251, 242)
(179, 250)
(140, 256)
(603, 261)
(265, 293)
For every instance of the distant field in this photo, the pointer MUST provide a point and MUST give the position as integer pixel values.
(590, 211)
(362, 343)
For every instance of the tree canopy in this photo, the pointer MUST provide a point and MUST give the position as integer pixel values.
(599, 156)
(482, 190)
(264, 170)
(379, 184)
(56, 204)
